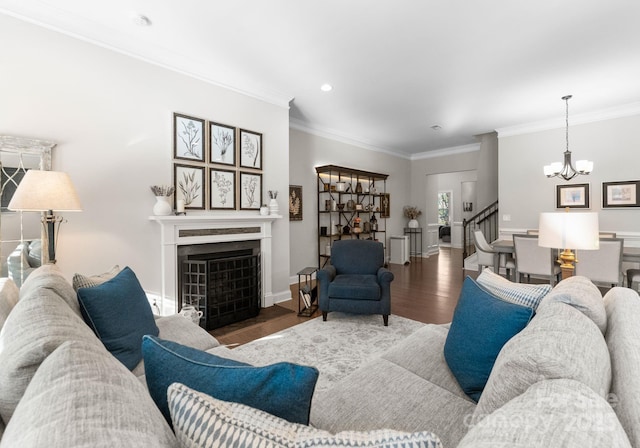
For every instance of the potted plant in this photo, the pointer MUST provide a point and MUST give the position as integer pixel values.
(412, 213)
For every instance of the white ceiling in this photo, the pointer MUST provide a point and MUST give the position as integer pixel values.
(397, 66)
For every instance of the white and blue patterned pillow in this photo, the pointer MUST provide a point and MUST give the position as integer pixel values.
(201, 421)
(518, 293)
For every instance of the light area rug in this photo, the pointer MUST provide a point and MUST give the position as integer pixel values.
(336, 347)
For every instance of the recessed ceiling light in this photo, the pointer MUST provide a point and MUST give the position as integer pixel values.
(140, 20)
(436, 127)
(326, 87)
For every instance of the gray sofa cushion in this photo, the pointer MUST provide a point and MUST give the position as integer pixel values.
(554, 413)
(583, 295)
(82, 396)
(50, 277)
(559, 342)
(38, 324)
(382, 394)
(183, 331)
(623, 337)
(9, 294)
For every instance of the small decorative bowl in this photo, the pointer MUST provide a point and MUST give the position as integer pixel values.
(341, 207)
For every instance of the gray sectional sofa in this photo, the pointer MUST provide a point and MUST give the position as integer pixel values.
(568, 379)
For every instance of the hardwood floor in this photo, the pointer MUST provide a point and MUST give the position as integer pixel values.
(425, 290)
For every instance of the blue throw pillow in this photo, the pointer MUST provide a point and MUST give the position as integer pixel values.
(481, 325)
(283, 389)
(119, 313)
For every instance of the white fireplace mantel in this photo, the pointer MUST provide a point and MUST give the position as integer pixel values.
(203, 228)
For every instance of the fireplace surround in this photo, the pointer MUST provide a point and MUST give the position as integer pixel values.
(208, 228)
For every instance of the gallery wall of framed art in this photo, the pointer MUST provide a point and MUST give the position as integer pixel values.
(216, 166)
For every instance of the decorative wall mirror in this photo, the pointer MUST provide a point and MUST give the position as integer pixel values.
(22, 235)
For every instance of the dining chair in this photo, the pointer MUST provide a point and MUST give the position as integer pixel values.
(607, 234)
(486, 255)
(603, 265)
(532, 259)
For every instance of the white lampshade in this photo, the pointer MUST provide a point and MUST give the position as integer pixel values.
(45, 190)
(565, 230)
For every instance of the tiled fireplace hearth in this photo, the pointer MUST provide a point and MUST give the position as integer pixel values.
(179, 232)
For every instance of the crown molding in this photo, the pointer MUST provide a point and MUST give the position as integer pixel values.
(626, 110)
(259, 93)
(446, 151)
(332, 134)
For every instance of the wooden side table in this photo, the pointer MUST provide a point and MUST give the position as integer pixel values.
(304, 287)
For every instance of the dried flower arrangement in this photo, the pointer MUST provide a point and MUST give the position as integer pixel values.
(162, 190)
(411, 211)
(273, 194)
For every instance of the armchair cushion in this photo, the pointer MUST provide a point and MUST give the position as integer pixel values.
(355, 287)
(359, 257)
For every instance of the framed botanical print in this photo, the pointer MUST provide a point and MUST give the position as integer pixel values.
(250, 191)
(222, 144)
(295, 202)
(188, 138)
(621, 194)
(250, 149)
(222, 189)
(572, 196)
(385, 205)
(189, 182)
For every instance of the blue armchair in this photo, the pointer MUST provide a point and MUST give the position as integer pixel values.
(356, 281)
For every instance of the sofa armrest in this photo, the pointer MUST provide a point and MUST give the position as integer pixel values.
(183, 331)
(385, 276)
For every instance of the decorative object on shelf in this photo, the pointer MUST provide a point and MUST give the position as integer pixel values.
(356, 225)
(188, 138)
(340, 207)
(189, 312)
(323, 230)
(567, 230)
(351, 204)
(250, 149)
(374, 223)
(359, 188)
(264, 210)
(180, 207)
(222, 143)
(572, 196)
(412, 212)
(341, 187)
(162, 207)
(189, 185)
(385, 209)
(621, 194)
(273, 204)
(223, 189)
(346, 230)
(338, 229)
(47, 191)
(295, 203)
(251, 192)
(566, 170)
(327, 250)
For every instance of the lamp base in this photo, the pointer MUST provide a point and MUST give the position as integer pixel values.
(567, 259)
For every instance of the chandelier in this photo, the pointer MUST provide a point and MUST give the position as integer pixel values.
(566, 170)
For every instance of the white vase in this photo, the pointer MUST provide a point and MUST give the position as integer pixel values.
(273, 207)
(162, 206)
(413, 224)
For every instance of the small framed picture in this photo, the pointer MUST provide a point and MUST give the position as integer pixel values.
(250, 149)
(572, 196)
(222, 142)
(250, 191)
(295, 202)
(385, 205)
(222, 189)
(188, 138)
(190, 185)
(620, 194)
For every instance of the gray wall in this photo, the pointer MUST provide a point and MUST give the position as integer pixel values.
(112, 118)
(308, 151)
(613, 145)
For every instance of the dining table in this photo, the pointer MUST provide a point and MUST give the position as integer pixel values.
(629, 253)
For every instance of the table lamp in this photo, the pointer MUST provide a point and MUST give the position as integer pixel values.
(567, 231)
(46, 191)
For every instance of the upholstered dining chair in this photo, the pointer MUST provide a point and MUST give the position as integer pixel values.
(603, 265)
(356, 281)
(532, 259)
(486, 255)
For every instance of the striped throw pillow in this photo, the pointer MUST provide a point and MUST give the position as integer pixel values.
(201, 421)
(518, 293)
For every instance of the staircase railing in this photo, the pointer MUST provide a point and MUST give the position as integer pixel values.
(485, 220)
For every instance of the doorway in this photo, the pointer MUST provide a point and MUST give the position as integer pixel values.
(445, 217)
